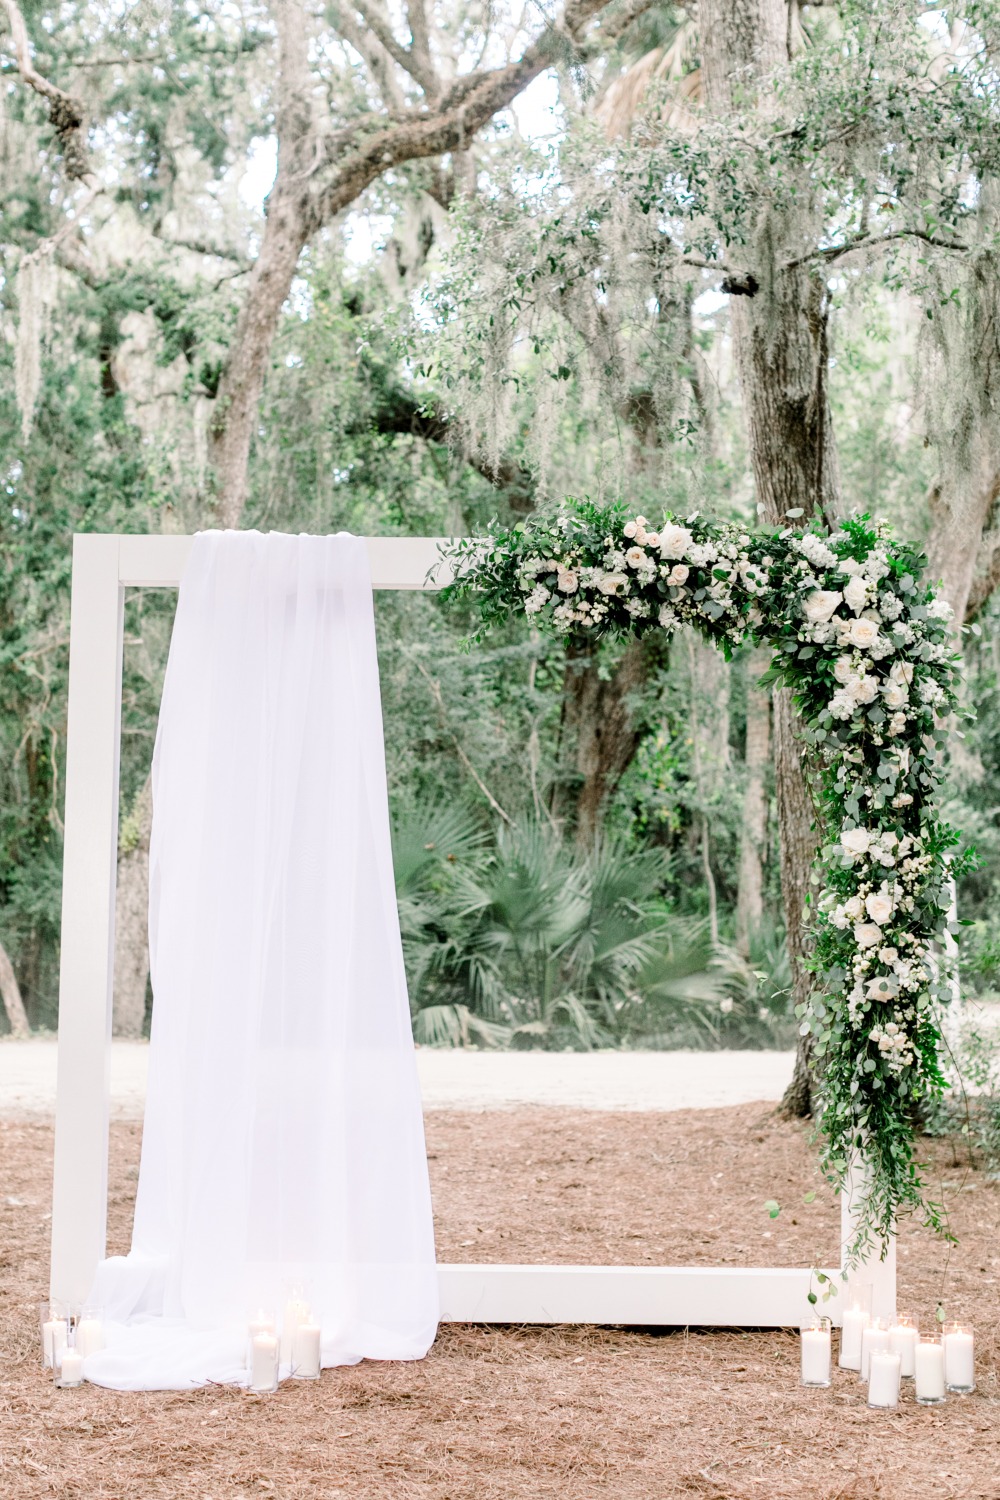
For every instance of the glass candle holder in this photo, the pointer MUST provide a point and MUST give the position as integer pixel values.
(53, 1322)
(928, 1359)
(263, 1321)
(883, 1379)
(903, 1335)
(68, 1373)
(815, 1353)
(296, 1312)
(874, 1340)
(89, 1331)
(959, 1358)
(306, 1351)
(264, 1363)
(856, 1317)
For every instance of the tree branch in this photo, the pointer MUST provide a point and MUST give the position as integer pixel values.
(420, 44)
(865, 242)
(375, 17)
(66, 112)
(465, 109)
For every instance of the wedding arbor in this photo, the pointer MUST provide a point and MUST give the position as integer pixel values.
(103, 566)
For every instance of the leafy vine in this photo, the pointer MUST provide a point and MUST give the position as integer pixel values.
(862, 642)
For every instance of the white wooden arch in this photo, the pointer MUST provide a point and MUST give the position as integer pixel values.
(103, 567)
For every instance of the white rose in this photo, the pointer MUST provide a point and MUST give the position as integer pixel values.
(674, 541)
(854, 907)
(849, 567)
(635, 557)
(843, 670)
(863, 633)
(611, 583)
(866, 934)
(901, 672)
(895, 695)
(652, 538)
(630, 529)
(879, 906)
(568, 581)
(867, 689)
(884, 988)
(855, 594)
(678, 575)
(856, 840)
(820, 605)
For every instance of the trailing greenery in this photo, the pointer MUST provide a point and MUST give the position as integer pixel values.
(862, 643)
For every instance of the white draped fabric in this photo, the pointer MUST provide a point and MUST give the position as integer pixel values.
(283, 1145)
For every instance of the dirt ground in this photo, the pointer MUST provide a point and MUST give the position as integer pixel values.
(501, 1414)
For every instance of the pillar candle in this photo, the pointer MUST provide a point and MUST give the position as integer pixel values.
(71, 1368)
(54, 1335)
(903, 1341)
(264, 1362)
(89, 1336)
(883, 1378)
(855, 1322)
(928, 1363)
(296, 1312)
(959, 1359)
(305, 1352)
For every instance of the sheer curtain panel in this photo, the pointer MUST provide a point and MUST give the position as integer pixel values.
(283, 1149)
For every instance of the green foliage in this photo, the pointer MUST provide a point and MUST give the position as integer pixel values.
(517, 937)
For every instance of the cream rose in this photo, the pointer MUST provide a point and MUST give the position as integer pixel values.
(866, 934)
(611, 583)
(843, 670)
(630, 529)
(854, 907)
(568, 581)
(819, 606)
(855, 594)
(635, 557)
(674, 541)
(895, 695)
(678, 575)
(856, 840)
(863, 633)
(879, 906)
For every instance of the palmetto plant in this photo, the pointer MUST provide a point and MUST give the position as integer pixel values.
(519, 939)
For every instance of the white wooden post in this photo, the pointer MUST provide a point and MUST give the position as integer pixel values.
(880, 1273)
(79, 1191)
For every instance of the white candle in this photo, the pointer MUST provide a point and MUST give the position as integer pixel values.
(54, 1337)
(71, 1368)
(89, 1336)
(903, 1341)
(305, 1354)
(264, 1362)
(855, 1322)
(874, 1340)
(928, 1364)
(883, 1378)
(959, 1360)
(296, 1312)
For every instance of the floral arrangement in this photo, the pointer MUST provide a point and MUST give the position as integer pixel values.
(863, 644)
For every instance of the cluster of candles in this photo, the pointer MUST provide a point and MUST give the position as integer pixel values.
(68, 1336)
(297, 1347)
(884, 1355)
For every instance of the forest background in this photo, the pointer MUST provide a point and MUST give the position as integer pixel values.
(401, 269)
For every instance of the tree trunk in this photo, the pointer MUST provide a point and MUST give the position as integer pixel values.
(286, 230)
(599, 725)
(780, 337)
(961, 510)
(132, 924)
(750, 889)
(10, 994)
